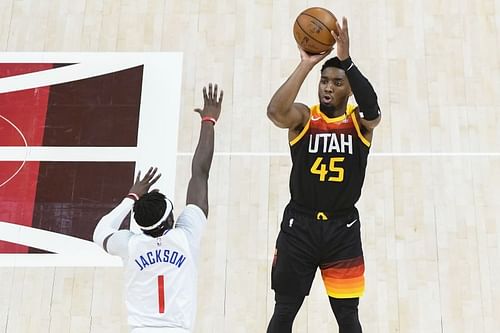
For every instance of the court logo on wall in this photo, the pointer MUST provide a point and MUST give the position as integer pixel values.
(74, 129)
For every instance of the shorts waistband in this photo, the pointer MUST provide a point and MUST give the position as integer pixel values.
(321, 215)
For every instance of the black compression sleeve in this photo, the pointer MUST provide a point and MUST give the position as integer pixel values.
(362, 89)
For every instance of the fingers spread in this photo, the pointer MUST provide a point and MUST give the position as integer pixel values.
(148, 174)
(154, 180)
(339, 29)
(212, 96)
(205, 97)
(220, 97)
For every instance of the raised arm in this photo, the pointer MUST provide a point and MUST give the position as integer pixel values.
(109, 224)
(282, 109)
(197, 193)
(361, 88)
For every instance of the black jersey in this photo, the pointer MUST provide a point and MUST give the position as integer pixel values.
(329, 161)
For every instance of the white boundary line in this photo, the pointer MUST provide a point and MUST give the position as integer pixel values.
(69, 154)
(417, 154)
(125, 154)
(64, 74)
(69, 250)
(59, 260)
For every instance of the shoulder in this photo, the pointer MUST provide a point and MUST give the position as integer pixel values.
(354, 110)
(364, 132)
(123, 235)
(191, 213)
(117, 243)
(192, 222)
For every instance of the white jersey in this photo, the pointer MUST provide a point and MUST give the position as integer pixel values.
(161, 273)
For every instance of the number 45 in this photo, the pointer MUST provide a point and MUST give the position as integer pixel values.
(319, 168)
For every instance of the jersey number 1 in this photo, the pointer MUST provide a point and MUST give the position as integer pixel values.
(336, 172)
(161, 294)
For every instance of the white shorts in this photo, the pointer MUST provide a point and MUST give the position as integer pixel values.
(158, 329)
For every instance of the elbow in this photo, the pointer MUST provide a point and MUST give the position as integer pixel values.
(372, 123)
(95, 236)
(275, 115)
(275, 112)
(101, 232)
(271, 112)
(370, 111)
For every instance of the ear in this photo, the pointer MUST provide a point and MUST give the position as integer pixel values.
(170, 220)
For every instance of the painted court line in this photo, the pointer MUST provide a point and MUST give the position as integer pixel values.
(122, 154)
(69, 251)
(416, 154)
(23, 158)
(73, 154)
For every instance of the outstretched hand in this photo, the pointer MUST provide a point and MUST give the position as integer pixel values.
(141, 186)
(341, 37)
(212, 102)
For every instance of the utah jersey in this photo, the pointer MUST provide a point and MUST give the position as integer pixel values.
(161, 274)
(329, 160)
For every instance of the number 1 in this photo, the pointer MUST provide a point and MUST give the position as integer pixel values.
(161, 294)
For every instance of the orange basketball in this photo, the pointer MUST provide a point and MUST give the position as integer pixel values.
(312, 30)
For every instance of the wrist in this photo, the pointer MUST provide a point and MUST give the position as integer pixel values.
(209, 120)
(133, 196)
(307, 64)
(346, 63)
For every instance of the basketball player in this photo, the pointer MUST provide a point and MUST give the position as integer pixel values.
(161, 262)
(329, 146)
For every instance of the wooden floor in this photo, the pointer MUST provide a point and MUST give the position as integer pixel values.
(431, 231)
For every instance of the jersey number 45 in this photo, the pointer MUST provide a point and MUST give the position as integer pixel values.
(334, 173)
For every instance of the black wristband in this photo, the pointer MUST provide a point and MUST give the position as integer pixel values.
(346, 64)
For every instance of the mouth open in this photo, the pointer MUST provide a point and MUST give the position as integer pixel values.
(326, 99)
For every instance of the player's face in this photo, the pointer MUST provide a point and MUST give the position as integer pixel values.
(334, 88)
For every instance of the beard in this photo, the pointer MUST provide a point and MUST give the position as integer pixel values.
(327, 109)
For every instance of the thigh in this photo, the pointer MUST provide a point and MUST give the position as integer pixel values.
(342, 264)
(296, 257)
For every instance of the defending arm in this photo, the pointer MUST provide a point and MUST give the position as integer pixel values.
(110, 223)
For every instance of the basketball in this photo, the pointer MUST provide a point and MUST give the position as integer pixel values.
(312, 30)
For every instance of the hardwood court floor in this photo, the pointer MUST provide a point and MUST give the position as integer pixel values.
(431, 232)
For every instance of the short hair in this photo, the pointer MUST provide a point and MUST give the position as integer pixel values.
(332, 62)
(149, 208)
